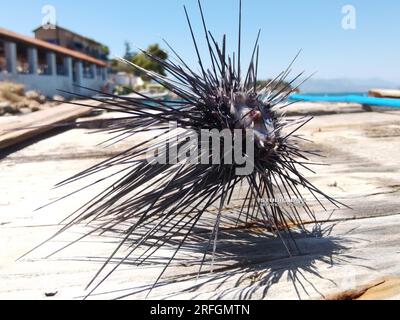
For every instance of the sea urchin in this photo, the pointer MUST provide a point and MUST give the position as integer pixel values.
(155, 201)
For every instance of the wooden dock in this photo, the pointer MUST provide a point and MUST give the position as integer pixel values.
(354, 253)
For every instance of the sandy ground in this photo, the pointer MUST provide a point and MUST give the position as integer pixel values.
(358, 255)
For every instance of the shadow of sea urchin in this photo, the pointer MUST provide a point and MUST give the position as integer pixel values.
(155, 202)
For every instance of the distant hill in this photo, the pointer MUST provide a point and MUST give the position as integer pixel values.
(345, 85)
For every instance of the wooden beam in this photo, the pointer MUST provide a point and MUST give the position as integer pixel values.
(22, 128)
(384, 93)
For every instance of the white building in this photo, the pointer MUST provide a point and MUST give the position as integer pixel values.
(47, 67)
(126, 80)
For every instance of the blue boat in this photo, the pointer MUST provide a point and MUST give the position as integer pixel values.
(364, 100)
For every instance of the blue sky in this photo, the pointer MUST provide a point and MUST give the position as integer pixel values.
(370, 51)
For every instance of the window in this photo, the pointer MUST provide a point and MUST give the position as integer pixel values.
(3, 61)
(22, 59)
(61, 67)
(74, 73)
(87, 70)
(78, 46)
(54, 41)
(99, 72)
(43, 64)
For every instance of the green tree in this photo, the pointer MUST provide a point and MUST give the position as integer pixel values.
(106, 51)
(119, 66)
(129, 54)
(283, 85)
(141, 60)
(146, 63)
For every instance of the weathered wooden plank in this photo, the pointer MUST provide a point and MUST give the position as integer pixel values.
(18, 129)
(355, 254)
(384, 93)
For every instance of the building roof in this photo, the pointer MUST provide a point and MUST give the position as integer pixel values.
(49, 46)
(74, 33)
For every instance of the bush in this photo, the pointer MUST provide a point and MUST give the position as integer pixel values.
(11, 92)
